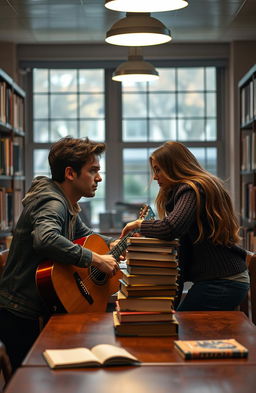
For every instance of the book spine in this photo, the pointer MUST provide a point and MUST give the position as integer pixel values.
(215, 355)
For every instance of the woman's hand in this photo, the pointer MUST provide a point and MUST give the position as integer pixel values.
(131, 226)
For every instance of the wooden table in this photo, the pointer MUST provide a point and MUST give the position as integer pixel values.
(76, 330)
(225, 378)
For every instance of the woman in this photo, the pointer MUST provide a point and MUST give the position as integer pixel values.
(194, 207)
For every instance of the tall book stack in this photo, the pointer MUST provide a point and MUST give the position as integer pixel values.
(148, 287)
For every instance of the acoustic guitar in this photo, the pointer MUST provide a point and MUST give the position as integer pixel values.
(68, 288)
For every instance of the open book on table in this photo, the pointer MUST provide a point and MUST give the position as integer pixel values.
(99, 355)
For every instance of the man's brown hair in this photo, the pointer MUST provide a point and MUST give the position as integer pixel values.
(73, 152)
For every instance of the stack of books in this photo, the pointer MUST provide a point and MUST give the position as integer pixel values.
(148, 287)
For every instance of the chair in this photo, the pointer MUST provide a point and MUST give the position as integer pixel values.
(3, 259)
(248, 306)
(5, 364)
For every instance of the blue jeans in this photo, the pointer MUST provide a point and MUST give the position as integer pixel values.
(214, 295)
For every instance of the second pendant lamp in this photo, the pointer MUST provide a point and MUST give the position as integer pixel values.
(138, 29)
(136, 69)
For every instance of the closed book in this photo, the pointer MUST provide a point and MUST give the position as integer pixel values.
(202, 349)
(152, 263)
(142, 240)
(148, 290)
(152, 270)
(155, 256)
(144, 316)
(152, 248)
(161, 303)
(166, 328)
(133, 279)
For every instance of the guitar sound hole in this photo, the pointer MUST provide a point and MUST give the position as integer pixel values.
(97, 276)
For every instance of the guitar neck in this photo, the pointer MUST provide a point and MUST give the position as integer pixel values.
(118, 250)
(121, 246)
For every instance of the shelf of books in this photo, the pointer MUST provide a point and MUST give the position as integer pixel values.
(148, 287)
(247, 91)
(12, 99)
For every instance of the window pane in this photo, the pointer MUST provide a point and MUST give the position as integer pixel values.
(165, 82)
(63, 106)
(63, 80)
(135, 187)
(136, 175)
(134, 105)
(207, 157)
(97, 207)
(190, 79)
(190, 104)
(160, 130)
(134, 130)
(41, 106)
(41, 131)
(210, 78)
(41, 166)
(211, 104)
(92, 105)
(93, 129)
(40, 81)
(161, 105)
(191, 130)
(91, 80)
(134, 86)
(211, 129)
(135, 160)
(62, 128)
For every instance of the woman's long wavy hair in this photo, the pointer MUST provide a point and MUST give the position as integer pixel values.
(179, 165)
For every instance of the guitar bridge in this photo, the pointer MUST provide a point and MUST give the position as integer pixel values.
(82, 288)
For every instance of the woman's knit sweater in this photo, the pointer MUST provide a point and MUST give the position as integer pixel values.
(202, 260)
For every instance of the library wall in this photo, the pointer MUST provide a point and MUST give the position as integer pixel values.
(242, 58)
(8, 59)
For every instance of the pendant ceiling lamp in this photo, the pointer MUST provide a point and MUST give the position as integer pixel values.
(135, 69)
(138, 29)
(145, 5)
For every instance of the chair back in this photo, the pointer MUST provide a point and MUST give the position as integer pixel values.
(5, 364)
(252, 273)
(248, 306)
(3, 259)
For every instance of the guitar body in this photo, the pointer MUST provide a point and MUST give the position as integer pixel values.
(67, 288)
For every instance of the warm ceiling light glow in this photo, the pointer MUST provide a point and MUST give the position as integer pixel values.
(138, 29)
(135, 69)
(145, 5)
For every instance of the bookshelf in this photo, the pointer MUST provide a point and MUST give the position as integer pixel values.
(247, 92)
(12, 126)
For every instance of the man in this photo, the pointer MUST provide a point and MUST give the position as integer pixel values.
(46, 229)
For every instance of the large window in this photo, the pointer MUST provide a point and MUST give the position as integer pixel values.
(68, 102)
(133, 119)
(180, 106)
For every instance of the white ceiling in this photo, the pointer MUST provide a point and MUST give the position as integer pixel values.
(86, 21)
